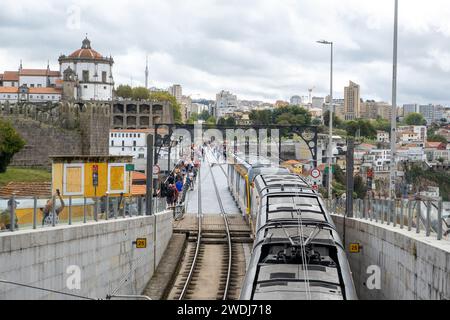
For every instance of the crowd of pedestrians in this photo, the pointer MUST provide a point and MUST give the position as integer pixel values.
(180, 180)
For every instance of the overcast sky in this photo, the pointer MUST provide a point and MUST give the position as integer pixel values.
(258, 49)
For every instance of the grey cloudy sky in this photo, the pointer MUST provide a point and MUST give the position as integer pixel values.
(258, 49)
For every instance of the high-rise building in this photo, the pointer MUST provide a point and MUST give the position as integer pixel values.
(352, 104)
(177, 91)
(226, 103)
(372, 110)
(410, 108)
(432, 113)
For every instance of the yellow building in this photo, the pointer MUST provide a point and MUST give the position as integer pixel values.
(91, 176)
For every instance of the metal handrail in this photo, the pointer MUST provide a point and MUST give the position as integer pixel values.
(420, 215)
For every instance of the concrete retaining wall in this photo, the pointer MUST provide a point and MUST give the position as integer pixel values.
(103, 251)
(413, 266)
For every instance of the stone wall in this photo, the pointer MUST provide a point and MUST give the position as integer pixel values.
(43, 140)
(104, 252)
(413, 266)
(61, 129)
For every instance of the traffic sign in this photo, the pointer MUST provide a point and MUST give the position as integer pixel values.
(129, 167)
(355, 248)
(315, 173)
(141, 243)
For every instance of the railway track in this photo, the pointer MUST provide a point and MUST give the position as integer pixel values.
(213, 265)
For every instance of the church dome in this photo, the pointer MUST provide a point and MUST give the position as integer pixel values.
(86, 52)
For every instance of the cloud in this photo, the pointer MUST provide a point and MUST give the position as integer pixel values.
(259, 49)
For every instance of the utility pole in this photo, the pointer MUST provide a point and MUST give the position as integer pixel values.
(149, 186)
(393, 171)
(330, 144)
(350, 179)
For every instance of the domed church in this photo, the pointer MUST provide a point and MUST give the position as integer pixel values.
(87, 74)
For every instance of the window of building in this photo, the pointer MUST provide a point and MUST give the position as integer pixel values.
(85, 86)
(104, 88)
(123, 143)
(85, 75)
(39, 85)
(73, 179)
(32, 85)
(134, 145)
(141, 156)
(104, 77)
(112, 143)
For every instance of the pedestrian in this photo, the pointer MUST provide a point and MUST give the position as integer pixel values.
(5, 216)
(191, 179)
(50, 209)
(179, 185)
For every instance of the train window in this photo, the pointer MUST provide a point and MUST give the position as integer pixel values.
(293, 215)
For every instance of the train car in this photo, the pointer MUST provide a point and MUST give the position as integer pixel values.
(297, 253)
(240, 176)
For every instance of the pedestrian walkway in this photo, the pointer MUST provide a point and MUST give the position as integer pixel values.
(210, 204)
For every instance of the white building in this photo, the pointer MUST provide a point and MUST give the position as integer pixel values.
(92, 73)
(130, 143)
(317, 102)
(30, 85)
(383, 136)
(408, 134)
(226, 104)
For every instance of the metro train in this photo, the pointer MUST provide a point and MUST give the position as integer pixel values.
(297, 253)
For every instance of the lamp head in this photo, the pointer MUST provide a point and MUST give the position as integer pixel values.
(324, 42)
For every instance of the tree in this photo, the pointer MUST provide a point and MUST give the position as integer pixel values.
(337, 122)
(204, 115)
(360, 187)
(437, 138)
(124, 91)
(211, 120)
(415, 119)
(230, 121)
(167, 97)
(141, 93)
(10, 143)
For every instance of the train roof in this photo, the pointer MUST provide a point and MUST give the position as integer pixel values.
(286, 183)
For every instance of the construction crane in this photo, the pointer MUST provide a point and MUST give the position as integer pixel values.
(310, 94)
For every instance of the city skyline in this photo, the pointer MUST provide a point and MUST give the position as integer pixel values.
(268, 54)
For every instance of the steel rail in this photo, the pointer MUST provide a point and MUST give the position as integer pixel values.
(199, 237)
(227, 227)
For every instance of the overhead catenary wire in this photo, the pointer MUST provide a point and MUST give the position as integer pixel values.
(45, 289)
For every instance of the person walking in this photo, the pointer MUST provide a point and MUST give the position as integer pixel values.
(51, 209)
(5, 216)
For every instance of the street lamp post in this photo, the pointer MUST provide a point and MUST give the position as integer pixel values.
(330, 145)
(393, 168)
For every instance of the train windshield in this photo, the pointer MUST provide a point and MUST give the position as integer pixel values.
(298, 263)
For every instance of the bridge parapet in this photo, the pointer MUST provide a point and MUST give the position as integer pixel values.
(395, 263)
(92, 260)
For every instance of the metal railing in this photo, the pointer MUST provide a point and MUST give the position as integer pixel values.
(38, 212)
(412, 215)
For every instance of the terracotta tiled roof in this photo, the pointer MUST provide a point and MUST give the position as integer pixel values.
(11, 76)
(9, 90)
(27, 189)
(86, 53)
(138, 176)
(133, 130)
(45, 91)
(39, 72)
(434, 145)
(138, 190)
